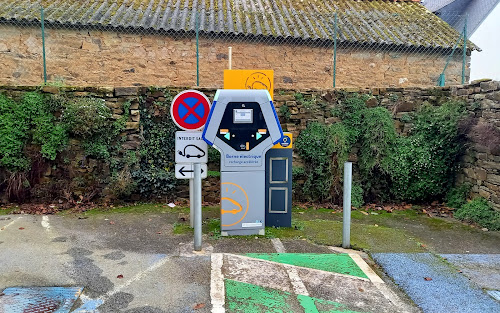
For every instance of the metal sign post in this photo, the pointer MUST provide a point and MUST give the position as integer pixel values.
(189, 111)
(197, 206)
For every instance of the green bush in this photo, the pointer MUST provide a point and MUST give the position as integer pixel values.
(481, 212)
(350, 110)
(14, 126)
(457, 196)
(357, 200)
(86, 117)
(31, 120)
(377, 140)
(322, 148)
(423, 165)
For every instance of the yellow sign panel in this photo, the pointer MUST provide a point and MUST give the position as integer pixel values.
(285, 143)
(249, 79)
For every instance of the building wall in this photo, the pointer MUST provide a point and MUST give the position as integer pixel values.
(97, 58)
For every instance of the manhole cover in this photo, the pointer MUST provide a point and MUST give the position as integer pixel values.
(38, 299)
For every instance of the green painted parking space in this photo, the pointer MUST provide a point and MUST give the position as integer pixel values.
(340, 263)
(248, 298)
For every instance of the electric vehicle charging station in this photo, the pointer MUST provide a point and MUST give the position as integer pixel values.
(243, 126)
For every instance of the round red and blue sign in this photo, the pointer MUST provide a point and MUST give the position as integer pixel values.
(190, 110)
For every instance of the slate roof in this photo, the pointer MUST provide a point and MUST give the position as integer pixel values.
(385, 22)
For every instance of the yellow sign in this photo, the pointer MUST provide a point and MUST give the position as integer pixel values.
(249, 79)
(285, 143)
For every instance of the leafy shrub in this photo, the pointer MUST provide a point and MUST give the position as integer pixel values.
(350, 110)
(30, 120)
(377, 139)
(424, 163)
(457, 196)
(86, 116)
(357, 200)
(481, 212)
(324, 149)
(13, 135)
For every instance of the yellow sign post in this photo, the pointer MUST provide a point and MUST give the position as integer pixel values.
(249, 79)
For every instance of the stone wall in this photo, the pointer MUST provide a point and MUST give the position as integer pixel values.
(481, 164)
(97, 58)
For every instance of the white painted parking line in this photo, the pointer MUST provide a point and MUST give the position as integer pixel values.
(217, 291)
(11, 223)
(91, 305)
(378, 282)
(366, 268)
(45, 222)
(278, 245)
(297, 283)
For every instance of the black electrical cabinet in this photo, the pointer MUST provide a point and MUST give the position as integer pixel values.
(279, 183)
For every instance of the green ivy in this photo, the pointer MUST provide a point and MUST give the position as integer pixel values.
(155, 175)
(30, 120)
(423, 165)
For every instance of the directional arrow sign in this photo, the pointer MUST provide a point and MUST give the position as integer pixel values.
(185, 171)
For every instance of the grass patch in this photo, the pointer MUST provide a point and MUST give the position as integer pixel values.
(141, 208)
(6, 211)
(182, 228)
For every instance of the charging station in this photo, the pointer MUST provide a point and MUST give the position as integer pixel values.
(243, 126)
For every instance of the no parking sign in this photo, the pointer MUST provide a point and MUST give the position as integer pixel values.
(190, 110)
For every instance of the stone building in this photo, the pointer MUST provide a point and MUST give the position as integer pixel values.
(153, 42)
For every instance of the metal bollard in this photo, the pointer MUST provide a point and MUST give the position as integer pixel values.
(346, 224)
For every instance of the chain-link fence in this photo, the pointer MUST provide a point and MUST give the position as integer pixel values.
(308, 44)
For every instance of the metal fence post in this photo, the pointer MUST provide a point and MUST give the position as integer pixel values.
(197, 49)
(43, 46)
(441, 80)
(464, 51)
(335, 51)
(346, 224)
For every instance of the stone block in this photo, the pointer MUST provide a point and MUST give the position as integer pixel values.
(131, 145)
(489, 86)
(481, 174)
(494, 179)
(131, 125)
(50, 89)
(484, 192)
(126, 91)
(134, 106)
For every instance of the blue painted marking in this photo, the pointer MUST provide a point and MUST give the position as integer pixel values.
(277, 122)
(448, 291)
(208, 119)
(35, 299)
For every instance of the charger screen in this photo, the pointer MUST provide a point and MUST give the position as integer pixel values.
(242, 116)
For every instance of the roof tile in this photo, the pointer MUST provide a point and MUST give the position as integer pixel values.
(386, 22)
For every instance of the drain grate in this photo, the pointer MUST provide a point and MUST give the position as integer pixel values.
(39, 299)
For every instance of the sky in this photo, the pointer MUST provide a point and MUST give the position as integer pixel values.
(486, 64)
